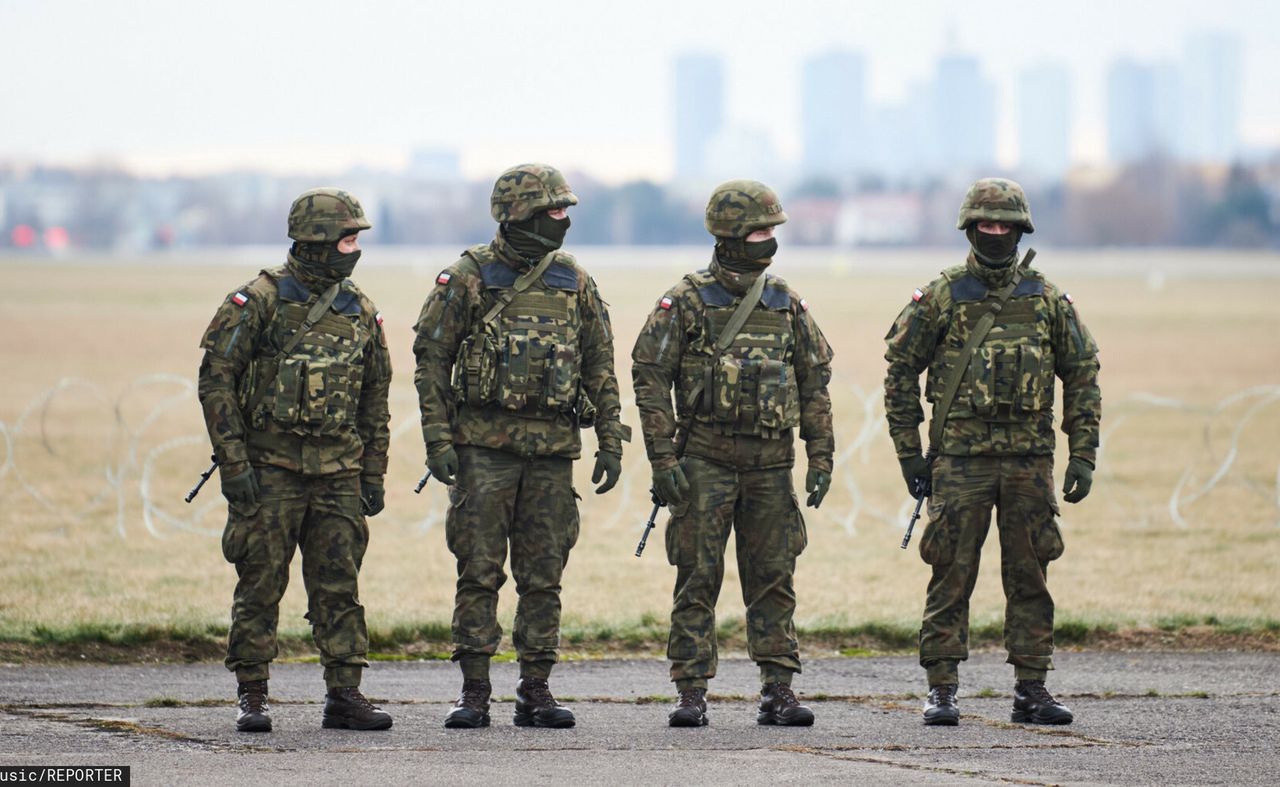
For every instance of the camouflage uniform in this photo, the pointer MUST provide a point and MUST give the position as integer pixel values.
(740, 448)
(997, 446)
(511, 396)
(318, 433)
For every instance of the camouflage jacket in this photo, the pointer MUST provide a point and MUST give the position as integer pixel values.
(549, 360)
(326, 410)
(741, 406)
(1004, 405)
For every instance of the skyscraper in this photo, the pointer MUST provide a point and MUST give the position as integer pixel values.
(699, 110)
(964, 115)
(1132, 124)
(833, 115)
(1211, 94)
(1044, 119)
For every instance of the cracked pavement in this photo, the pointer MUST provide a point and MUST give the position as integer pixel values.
(1141, 718)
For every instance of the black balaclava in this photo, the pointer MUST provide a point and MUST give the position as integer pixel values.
(322, 264)
(994, 251)
(536, 235)
(743, 256)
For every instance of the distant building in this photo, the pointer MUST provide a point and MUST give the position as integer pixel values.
(1211, 89)
(698, 92)
(1133, 131)
(1044, 120)
(964, 115)
(880, 219)
(834, 124)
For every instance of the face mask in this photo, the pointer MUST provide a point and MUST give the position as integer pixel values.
(994, 251)
(742, 256)
(762, 249)
(536, 235)
(324, 261)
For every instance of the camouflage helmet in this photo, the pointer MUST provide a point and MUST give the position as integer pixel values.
(525, 189)
(324, 215)
(995, 199)
(738, 208)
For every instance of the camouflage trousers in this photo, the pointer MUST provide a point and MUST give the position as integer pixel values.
(760, 507)
(501, 498)
(320, 515)
(964, 490)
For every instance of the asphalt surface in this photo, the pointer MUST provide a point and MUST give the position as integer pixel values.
(1141, 718)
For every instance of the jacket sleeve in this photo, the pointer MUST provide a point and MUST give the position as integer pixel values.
(655, 362)
(812, 360)
(911, 344)
(442, 325)
(229, 343)
(598, 377)
(1076, 363)
(373, 415)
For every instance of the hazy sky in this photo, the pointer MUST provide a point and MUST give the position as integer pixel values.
(319, 85)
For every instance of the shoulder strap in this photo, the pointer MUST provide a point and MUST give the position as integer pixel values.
(521, 284)
(740, 314)
(979, 333)
(273, 366)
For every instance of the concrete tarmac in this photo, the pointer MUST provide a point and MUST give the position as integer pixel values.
(1141, 718)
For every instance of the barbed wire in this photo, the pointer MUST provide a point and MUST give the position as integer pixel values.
(137, 453)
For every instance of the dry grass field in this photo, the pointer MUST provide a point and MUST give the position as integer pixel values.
(101, 438)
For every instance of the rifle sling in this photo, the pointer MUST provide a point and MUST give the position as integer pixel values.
(726, 337)
(976, 338)
(521, 284)
(273, 367)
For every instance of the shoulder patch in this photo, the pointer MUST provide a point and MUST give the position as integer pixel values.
(240, 299)
(1067, 297)
(804, 305)
(444, 277)
(665, 303)
(378, 319)
(917, 295)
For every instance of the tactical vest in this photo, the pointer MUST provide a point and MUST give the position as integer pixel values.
(317, 387)
(1010, 376)
(751, 389)
(526, 359)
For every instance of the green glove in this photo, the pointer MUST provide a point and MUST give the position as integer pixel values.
(671, 485)
(443, 463)
(241, 490)
(816, 483)
(373, 497)
(1079, 480)
(608, 467)
(914, 467)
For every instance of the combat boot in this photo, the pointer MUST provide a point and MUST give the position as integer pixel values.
(778, 705)
(254, 714)
(690, 709)
(535, 707)
(941, 708)
(472, 708)
(345, 708)
(1032, 703)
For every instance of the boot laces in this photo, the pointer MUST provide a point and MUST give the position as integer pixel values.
(253, 696)
(783, 693)
(538, 693)
(944, 694)
(1035, 689)
(474, 692)
(690, 698)
(352, 694)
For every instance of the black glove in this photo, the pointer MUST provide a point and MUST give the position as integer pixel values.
(913, 468)
(373, 497)
(241, 490)
(816, 483)
(671, 485)
(1078, 482)
(443, 464)
(608, 467)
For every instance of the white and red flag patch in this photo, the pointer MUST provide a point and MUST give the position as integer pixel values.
(804, 304)
(917, 295)
(240, 299)
(378, 318)
(665, 303)
(1070, 300)
(444, 277)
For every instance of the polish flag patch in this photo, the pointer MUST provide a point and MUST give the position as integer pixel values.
(378, 318)
(1069, 299)
(804, 304)
(240, 299)
(665, 303)
(917, 295)
(444, 278)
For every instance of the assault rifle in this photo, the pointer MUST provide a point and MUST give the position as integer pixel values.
(682, 439)
(205, 476)
(923, 489)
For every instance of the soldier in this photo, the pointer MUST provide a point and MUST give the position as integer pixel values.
(743, 381)
(990, 381)
(515, 354)
(294, 389)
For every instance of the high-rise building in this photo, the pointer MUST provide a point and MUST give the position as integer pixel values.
(1211, 95)
(699, 110)
(1133, 125)
(833, 115)
(1044, 119)
(964, 115)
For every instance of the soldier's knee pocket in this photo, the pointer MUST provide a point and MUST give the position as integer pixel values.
(457, 531)
(938, 544)
(797, 535)
(235, 539)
